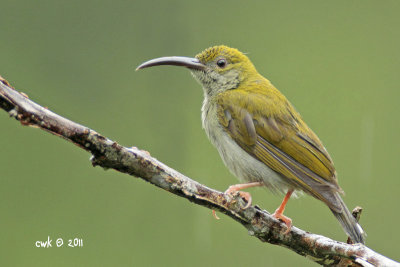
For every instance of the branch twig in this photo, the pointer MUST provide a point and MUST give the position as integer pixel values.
(109, 154)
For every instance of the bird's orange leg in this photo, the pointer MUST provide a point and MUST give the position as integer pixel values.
(279, 212)
(245, 195)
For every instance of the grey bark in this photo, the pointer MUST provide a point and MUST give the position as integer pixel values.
(259, 223)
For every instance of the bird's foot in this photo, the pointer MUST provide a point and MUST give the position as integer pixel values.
(245, 195)
(277, 214)
(233, 189)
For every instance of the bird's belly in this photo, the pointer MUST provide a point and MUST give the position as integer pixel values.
(239, 162)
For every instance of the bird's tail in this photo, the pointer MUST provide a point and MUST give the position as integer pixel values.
(349, 223)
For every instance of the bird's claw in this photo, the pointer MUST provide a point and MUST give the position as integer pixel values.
(215, 215)
(245, 195)
(233, 189)
(286, 220)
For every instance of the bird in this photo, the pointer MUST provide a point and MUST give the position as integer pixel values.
(260, 136)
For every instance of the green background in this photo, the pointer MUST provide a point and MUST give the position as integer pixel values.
(338, 62)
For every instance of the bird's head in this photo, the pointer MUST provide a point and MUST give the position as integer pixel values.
(218, 68)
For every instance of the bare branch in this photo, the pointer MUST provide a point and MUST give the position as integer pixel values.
(109, 154)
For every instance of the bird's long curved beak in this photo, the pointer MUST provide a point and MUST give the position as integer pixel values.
(188, 62)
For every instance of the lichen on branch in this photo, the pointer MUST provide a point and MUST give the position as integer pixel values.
(132, 161)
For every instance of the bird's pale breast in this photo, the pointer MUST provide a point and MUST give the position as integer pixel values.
(239, 162)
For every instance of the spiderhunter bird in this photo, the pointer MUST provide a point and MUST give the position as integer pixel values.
(260, 136)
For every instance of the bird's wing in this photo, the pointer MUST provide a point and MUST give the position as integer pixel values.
(281, 140)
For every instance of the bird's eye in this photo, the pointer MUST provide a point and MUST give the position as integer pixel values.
(221, 63)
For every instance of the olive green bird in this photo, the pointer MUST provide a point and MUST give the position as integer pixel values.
(259, 135)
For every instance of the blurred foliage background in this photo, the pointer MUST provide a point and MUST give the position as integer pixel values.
(337, 61)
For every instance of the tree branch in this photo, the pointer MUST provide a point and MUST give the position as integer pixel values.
(109, 154)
